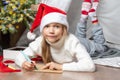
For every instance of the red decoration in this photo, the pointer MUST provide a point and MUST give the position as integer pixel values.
(37, 58)
(1, 58)
(8, 61)
(5, 68)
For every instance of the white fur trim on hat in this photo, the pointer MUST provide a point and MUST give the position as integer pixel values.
(54, 17)
(31, 36)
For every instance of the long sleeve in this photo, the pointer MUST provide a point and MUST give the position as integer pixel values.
(84, 61)
(31, 50)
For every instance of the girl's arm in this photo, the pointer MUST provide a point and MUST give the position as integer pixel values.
(31, 50)
(84, 61)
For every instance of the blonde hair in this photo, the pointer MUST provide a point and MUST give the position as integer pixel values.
(46, 53)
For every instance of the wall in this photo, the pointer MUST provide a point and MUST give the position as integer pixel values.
(108, 14)
(109, 19)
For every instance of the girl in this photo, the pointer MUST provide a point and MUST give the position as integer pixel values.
(59, 49)
(97, 44)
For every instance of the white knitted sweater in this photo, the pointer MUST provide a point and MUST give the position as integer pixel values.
(69, 52)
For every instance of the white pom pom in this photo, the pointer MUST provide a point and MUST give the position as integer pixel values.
(31, 36)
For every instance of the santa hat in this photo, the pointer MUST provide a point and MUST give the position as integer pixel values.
(49, 13)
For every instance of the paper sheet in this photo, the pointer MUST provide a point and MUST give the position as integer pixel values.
(46, 70)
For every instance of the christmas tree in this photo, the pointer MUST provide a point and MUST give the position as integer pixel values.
(13, 12)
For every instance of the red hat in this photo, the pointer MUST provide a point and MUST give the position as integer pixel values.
(88, 1)
(48, 14)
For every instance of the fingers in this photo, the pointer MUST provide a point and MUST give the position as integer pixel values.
(46, 66)
(33, 62)
(52, 66)
(28, 66)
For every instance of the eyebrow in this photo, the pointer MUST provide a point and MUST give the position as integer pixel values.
(57, 24)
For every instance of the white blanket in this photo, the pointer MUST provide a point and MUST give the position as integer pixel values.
(112, 62)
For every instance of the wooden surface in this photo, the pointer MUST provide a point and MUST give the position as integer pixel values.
(102, 73)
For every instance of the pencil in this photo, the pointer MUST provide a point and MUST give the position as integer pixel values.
(11, 67)
(34, 66)
(28, 59)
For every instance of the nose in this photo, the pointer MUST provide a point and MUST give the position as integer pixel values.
(51, 30)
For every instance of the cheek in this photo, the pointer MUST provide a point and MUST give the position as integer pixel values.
(44, 32)
(60, 33)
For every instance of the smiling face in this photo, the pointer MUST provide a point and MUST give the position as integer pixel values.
(53, 32)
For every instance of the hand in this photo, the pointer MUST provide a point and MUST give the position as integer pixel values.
(28, 66)
(52, 66)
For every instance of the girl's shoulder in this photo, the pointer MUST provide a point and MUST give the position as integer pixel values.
(39, 39)
(72, 43)
(71, 37)
(36, 44)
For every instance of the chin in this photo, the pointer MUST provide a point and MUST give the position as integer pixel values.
(53, 41)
